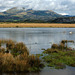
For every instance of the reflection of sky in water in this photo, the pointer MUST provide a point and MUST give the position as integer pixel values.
(38, 38)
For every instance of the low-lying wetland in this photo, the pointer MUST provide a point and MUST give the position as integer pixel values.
(58, 56)
(36, 25)
(15, 57)
(36, 39)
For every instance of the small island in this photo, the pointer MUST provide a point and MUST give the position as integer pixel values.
(58, 56)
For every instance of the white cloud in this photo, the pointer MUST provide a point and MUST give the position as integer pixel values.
(60, 6)
(64, 13)
(10, 2)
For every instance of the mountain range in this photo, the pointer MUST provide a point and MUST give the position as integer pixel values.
(22, 15)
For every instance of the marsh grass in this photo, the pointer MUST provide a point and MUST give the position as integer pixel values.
(58, 56)
(19, 48)
(16, 25)
(18, 59)
(63, 45)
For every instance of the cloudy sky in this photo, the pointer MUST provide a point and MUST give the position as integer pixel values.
(64, 7)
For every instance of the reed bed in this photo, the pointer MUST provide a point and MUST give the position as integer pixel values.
(21, 25)
(16, 58)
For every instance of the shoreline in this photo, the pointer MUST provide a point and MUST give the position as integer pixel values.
(36, 25)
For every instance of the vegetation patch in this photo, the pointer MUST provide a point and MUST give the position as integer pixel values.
(35, 25)
(15, 57)
(58, 56)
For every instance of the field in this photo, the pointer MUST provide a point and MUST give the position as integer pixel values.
(58, 25)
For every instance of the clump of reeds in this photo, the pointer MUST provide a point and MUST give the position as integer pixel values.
(21, 63)
(10, 44)
(66, 41)
(35, 63)
(62, 46)
(8, 63)
(19, 48)
(18, 59)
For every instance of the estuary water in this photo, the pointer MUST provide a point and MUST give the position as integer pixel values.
(41, 38)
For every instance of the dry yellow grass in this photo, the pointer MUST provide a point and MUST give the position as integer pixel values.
(36, 25)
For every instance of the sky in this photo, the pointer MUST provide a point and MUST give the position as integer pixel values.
(64, 7)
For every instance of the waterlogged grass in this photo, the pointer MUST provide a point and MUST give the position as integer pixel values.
(59, 56)
(16, 58)
(60, 59)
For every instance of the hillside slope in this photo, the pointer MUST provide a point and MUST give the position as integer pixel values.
(20, 14)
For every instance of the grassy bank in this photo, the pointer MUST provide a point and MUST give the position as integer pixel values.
(8, 25)
(58, 56)
(15, 57)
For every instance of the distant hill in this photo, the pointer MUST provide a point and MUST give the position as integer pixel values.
(64, 20)
(22, 15)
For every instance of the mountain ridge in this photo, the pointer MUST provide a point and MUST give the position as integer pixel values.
(29, 14)
(17, 14)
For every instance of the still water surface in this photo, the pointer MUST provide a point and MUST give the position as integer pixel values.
(38, 38)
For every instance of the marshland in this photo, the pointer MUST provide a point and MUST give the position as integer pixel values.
(37, 51)
(33, 25)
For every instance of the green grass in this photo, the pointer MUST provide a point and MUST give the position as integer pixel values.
(58, 56)
(60, 59)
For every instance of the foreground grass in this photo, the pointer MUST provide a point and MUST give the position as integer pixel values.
(8, 25)
(58, 56)
(16, 58)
